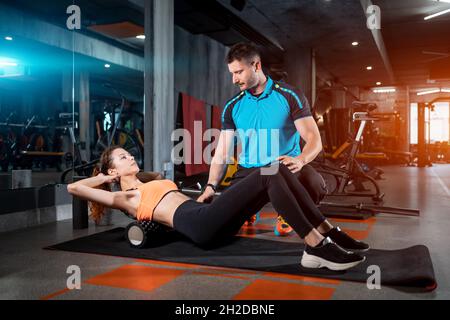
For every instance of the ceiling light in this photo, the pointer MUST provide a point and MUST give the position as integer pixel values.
(369, 68)
(355, 43)
(107, 66)
(445, 90)
(385, 90)
(378, 83)
(422, 93)
(437, 14)
(9, 38)
(141, 36)
(7, 64)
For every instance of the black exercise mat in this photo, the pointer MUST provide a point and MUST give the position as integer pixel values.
(411, 267)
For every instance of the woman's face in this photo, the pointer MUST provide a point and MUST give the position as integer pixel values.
(123, 163)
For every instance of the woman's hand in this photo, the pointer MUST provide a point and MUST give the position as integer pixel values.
(109, 178)
(92, 182)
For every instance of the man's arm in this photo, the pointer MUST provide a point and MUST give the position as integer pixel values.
(308, 130)
(306, 126)
(219, 162)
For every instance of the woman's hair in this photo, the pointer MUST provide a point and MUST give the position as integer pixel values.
(97, 209)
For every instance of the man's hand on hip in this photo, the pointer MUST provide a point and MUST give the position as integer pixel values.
(293, 164)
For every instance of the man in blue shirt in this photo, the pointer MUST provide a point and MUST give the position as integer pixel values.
(269, 118)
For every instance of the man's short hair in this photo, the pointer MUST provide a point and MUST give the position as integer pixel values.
(243, 51)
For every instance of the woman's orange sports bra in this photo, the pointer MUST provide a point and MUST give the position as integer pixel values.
(151, 195)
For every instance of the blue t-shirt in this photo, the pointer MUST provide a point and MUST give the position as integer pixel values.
(262, 121)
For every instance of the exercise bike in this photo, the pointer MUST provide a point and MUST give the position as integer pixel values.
(349, 173)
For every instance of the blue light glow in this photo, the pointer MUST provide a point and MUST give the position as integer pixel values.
(10, 68)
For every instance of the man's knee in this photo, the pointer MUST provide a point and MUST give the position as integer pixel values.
(313, 182)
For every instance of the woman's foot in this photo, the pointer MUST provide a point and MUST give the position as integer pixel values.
(328, 254)
(345, 241)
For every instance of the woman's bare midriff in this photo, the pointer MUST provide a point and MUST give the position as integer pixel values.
(166, 208)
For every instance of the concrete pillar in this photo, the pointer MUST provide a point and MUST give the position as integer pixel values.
(159, 85)
(85, 109)
(148, 86)
(313, 78)
(408, 120)
(299, 63)
(80, 211)
(422, 159)
(338, 99)
(66, 87)
(355, 92)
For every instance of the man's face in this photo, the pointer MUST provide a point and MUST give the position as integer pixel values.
(244, 73)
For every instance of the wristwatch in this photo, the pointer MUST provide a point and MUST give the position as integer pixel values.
(209, 185)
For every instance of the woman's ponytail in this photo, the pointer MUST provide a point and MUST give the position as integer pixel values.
(98, 210)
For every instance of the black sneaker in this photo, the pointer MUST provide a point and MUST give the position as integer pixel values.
(328, 254)
(345, 241)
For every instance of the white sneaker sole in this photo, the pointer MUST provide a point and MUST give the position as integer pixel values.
(314, 262)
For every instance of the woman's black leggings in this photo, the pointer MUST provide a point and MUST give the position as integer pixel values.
(208, 223)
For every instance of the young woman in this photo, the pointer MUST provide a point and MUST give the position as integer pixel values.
(206, 224)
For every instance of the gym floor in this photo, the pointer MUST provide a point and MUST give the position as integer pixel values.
(29, 272)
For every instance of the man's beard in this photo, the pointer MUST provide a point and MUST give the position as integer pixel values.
(249, 87)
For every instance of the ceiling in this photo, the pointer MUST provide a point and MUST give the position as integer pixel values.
(331, 26)
(416, 49)
(45, 60)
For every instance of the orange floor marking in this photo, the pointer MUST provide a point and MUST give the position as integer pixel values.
(259, 226)
(357, 234)
(272, 290)
(136, 277)
(55, 294)
(247, 235)
(268, 215)
(302, 278)
(228, 270)
(369, 221)
(218, 275)
(167, 263)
